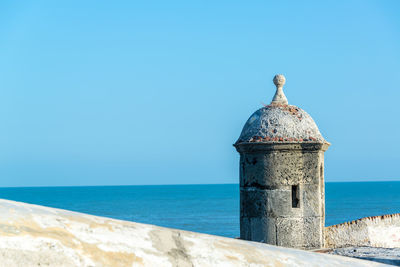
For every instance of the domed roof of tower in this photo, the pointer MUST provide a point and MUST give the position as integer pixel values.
(280, 122)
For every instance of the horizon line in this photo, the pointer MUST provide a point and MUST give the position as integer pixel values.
(41, 186)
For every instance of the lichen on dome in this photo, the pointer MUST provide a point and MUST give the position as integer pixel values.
(280, 122)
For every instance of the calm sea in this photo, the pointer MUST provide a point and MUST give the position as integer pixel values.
(212, 209)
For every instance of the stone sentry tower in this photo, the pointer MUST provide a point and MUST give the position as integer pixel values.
(282, 198)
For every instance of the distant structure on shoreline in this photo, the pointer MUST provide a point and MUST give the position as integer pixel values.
(282, 176)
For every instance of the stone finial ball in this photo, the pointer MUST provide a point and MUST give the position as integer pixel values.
(279, 80)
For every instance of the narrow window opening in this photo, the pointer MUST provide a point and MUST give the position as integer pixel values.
(295, 196)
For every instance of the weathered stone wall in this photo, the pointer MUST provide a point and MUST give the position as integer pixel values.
(32, 235)
(377, 231)
(270, 175)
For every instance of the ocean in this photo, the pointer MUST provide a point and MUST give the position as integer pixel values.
(211, 209)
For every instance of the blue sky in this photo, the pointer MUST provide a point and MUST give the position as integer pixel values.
(156, 92)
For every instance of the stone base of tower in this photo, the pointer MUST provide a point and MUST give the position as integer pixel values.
(304, 233)
(282, 194)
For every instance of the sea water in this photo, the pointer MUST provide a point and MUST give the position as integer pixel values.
(212, 209)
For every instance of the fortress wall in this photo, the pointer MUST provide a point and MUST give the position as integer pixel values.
(33, 235)
(376, 231)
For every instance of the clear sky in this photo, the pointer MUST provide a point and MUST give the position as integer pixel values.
(156, 92)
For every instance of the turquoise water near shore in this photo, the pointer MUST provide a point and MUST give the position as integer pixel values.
(212, 209)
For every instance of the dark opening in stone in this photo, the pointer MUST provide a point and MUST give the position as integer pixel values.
(295, 196)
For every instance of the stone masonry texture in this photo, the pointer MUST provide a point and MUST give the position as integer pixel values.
(282, 193)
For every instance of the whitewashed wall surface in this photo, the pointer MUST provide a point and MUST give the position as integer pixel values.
(33, 235)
